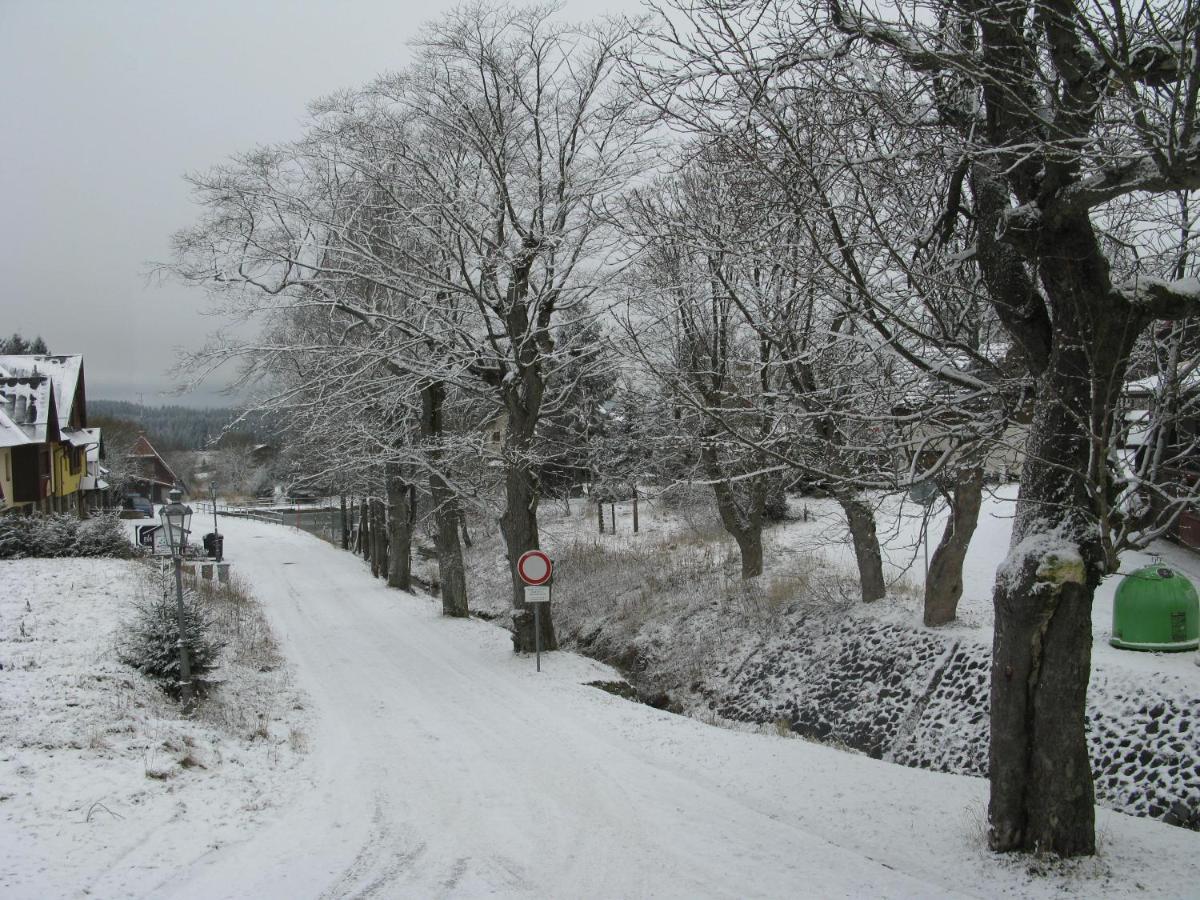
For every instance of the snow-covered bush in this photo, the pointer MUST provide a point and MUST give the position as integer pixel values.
(102, 536)
(775, 509)
(60, 535)
(151, 641)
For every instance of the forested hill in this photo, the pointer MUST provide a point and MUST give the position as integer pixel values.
(178, 427)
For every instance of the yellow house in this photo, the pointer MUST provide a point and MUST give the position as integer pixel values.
(44, 436)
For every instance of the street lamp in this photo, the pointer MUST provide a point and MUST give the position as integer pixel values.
(212, 486)
(176, 521)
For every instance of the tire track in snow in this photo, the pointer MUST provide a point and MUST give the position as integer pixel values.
(445, 767)
(377, 862)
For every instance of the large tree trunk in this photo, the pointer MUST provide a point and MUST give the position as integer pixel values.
(402, 513)
(741, 518)
(363, 545)
(381, 530)
(451, 570)
(1041, 781)
(861, 519)
(378, 539)
(944, 583)
(750, 547)
(519, 526)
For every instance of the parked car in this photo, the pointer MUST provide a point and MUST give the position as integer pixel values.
(138, 503)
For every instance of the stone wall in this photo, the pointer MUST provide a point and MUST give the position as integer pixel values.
(920, 698)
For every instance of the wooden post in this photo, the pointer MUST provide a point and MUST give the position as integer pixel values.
(635, 510)
(612, 512)
(600, 514)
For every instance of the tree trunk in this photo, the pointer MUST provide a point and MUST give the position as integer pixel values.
(364, 530)
(944, 583)
(345, 524)
(1041, 781)
(402, 515)
(519, 526)
(379, 536)
(861, 519)
(446, 511)
(376, 556)
(522, 397)
(741, 519)
(750, 548)
(381, 530)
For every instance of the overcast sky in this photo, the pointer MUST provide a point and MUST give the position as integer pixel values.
(106, 104)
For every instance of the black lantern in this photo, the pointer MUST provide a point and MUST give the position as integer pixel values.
(177, 520)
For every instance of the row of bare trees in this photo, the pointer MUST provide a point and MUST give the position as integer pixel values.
(859, 246)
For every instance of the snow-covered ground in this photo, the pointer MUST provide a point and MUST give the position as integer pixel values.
(103, 788)
(822, 541)
(442, 765)
(900, 531)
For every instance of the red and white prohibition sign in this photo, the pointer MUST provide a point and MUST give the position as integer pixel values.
(534, 567)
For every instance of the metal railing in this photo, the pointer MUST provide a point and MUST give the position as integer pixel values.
(322, 518)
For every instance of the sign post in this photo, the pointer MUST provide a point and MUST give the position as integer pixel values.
(535, 570)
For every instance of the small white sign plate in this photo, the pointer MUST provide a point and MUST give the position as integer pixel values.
(539, 594)
(162, 546)
(154, 537)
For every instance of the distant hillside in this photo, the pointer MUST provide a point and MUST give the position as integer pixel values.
(180, 427)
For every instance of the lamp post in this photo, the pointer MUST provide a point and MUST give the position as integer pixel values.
(212, 487)
(176, 519)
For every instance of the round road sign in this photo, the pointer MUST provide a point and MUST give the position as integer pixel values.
(534, 567)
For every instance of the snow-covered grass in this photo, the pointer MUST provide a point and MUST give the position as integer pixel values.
(99, 772)
(809, 560)
(796, 650)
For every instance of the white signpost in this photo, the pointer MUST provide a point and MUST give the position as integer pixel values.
(155, 538)
(535, 570)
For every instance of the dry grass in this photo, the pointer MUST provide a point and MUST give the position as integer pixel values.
(251, 684)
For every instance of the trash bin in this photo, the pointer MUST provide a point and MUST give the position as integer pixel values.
(214, 545)
(1156, 608)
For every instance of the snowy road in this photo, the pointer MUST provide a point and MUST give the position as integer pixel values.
(442, 765)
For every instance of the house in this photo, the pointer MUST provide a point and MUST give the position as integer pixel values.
(94, 484)
(44, 436)
(150, 475)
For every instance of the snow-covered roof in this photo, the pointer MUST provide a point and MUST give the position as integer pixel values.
(80, 437)
(27, 407)
(11, 434)
(65, 373)
(33, 389)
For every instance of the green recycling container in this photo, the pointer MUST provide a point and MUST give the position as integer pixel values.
(1156, 608)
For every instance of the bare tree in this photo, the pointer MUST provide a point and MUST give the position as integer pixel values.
(1047, 116)
(449, 212)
